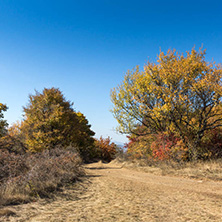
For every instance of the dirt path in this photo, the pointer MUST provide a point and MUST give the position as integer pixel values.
(112, 193)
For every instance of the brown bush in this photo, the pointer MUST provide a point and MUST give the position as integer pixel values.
(27, 176)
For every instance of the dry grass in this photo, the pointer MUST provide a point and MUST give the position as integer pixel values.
(111, 193)
(205, 170)
(24, 177)
(6, 213)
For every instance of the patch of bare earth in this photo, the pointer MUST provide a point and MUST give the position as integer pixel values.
(112, 193)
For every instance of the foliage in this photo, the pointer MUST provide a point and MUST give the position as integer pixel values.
(50, 120)
(139, 146)
(179, 94)
(106, 149)
(211, 145)
(83, 138)
(13, 140)
(3, 123)
(168, 146)
(36, 175)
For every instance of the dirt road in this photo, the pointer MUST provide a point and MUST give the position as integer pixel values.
(112, 193)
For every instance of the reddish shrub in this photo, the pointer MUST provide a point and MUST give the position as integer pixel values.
(106, 149)
(168, 146)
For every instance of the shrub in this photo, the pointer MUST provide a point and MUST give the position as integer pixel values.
(25, 176)
(211, 147)
(161, 146)
(168, 146)
(13, 141)
(106, 150)
(139, 146)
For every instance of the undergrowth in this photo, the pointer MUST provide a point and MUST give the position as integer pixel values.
(200, 169)
(24, 177)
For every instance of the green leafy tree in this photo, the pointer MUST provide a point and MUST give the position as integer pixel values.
(50, 120)
(179, 93)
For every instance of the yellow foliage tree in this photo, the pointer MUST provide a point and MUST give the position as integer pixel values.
(180, 93)
(50, 120)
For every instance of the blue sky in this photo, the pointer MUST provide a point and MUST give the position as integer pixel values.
(85, 47)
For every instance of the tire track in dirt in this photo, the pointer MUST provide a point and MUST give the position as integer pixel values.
(112, 193)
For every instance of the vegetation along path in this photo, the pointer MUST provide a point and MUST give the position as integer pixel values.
(113, 193)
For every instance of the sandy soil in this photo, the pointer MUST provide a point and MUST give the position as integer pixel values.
(111, 193)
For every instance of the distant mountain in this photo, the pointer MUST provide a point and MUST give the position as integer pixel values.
(119, 143)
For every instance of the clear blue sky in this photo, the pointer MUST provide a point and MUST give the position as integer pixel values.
(85, 47)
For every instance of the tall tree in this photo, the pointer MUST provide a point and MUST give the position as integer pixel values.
(178, 93)
(3, 123)
(50, 120)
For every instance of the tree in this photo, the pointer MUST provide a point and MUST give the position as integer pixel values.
(50, 120)
(84, 138)
(13, 139)
(3, 123)
(106, 150)
(179, 93)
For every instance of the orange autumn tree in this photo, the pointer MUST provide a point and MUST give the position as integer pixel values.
(50, 120)
(179, 93)
(13, 139)
(106, 149)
